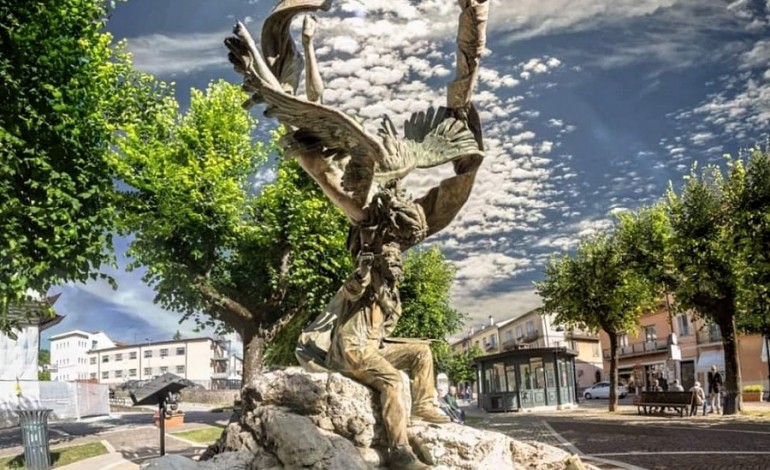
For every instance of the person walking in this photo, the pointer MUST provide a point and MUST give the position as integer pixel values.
(699, 399)
(715, 389)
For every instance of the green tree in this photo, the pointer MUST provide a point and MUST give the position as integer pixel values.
(64, 92)
(644, 236)
(751, 240)
(425, 299)
(597, 290)
(707, 263)
(213, 248)
(43, 359)
(460, 368)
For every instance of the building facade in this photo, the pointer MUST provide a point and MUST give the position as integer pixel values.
(535, 330)
(69, 352)
(645, 355)
(205, 361)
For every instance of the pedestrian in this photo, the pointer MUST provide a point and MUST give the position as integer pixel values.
(698, 400)
(676, 386)
(715, 389)
(656, 386)
(468, 393)
(457, 414)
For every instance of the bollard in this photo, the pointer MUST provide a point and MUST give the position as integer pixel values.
(34, 434)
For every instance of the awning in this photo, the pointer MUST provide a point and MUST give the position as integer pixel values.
(709, 358)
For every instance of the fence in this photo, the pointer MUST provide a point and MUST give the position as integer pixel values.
(68, 400)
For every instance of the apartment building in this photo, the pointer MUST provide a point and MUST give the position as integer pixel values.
(69, 352)
(535, 330)
(644, 355)
(205, 361)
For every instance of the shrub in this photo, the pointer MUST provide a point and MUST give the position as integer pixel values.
(754, 388)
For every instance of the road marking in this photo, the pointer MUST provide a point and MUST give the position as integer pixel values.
(687, 452)
(571, 448)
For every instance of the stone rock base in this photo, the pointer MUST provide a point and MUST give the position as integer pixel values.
(293, 419)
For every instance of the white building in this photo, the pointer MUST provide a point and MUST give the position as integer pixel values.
(69, 352)
(205, 361)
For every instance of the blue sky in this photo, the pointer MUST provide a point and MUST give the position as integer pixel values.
(589, 107)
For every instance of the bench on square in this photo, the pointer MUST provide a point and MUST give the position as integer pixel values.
(647, 402)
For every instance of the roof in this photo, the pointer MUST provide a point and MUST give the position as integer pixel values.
(67, 334)
(37, 310)
(155, 343)
(526, 352)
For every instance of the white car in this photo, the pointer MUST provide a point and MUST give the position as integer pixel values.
(602, 390)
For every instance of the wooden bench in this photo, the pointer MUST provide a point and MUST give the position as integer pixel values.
(679, 401)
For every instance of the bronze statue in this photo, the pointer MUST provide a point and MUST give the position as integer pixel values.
(360, 173)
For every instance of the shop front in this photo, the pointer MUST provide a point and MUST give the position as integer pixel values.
(527, 378)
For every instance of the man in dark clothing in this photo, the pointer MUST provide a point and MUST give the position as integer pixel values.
(715, 390)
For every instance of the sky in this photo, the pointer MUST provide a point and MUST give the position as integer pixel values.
(589, 107)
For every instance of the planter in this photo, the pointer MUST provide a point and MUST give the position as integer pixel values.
(752, 396)
(175, 420)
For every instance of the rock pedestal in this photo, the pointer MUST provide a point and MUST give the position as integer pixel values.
(294, 419)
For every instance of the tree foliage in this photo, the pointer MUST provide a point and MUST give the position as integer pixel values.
(595, 289)
(43, 359)
(425, 298)
(64, 92)
(214, 246)
(459, 367)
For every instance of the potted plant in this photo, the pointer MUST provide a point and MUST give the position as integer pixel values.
(753, 393)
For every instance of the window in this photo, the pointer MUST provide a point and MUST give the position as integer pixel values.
(93, 375)
(476, 343)
(147, 353)
(163, 352)
(509, 335)
(519, 332)
(93, 360)
(105, 358)
(596, 349)
(132, 372)
(649, 333)
(147, 371)
(118, 374)
(683, 324)
(93, 344)
(180, 369)
(132, 355)
(118, 357)
(493, 340)
(530, 327)
(105, 375)
(623, 340)
(180, 351)
(163, 370)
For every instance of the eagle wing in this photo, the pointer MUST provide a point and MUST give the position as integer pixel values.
(431, 138)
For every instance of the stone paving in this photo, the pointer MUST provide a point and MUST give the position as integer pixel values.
(630, 441)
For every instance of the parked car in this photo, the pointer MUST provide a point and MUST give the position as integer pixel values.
(602, 390)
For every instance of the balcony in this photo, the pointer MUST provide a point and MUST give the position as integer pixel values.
(530, 336)
(639, 349)
(220, 375)
(509, 344)
(709, 336)
(490, 346)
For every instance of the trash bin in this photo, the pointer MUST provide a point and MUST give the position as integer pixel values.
(34, 434)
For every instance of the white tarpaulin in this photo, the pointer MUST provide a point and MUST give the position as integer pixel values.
(709, 358)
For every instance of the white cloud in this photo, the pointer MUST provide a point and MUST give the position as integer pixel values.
(164, 55)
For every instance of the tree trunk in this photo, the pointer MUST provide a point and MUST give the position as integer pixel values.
(732, 385)
(253, 354)
(613, 370)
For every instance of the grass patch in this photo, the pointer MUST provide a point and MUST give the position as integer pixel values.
(756, 413)
(207, 435)
(59, 457)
